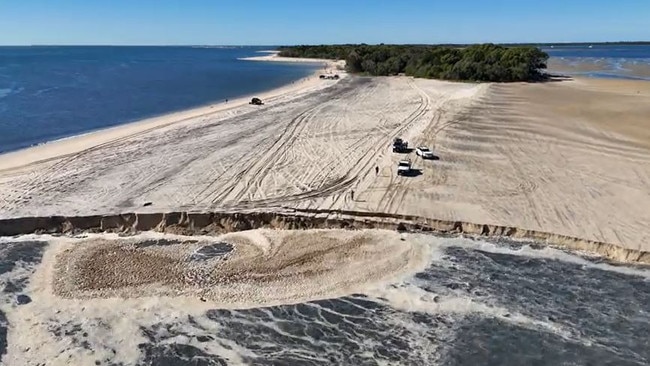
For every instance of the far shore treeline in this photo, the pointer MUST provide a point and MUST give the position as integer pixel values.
(485, 62)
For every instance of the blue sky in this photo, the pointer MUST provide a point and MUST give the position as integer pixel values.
(262, 22)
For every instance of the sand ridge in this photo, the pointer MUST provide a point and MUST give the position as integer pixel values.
(253, 268)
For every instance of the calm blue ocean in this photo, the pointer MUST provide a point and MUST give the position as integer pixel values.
(619, 52)
(47, 93)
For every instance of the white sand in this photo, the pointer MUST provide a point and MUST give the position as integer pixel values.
(549, 157)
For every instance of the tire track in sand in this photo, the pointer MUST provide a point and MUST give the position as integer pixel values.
(387, 202)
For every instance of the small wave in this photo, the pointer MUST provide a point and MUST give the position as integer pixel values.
(45, 90)
(5, 92)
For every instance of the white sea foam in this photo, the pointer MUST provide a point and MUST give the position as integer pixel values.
(412, 298)
(37, 330)
(117, 323)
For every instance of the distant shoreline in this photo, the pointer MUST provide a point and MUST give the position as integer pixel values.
(595, 43)
(273, 56)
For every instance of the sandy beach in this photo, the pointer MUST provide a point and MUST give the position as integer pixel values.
(569, 157)
(75, 144)
(273, 56)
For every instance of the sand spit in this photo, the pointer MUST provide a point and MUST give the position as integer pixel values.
(223, 222)
(273, 56)
(251, 268)
(571, 159)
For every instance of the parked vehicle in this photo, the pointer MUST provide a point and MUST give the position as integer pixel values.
(330, 77)
(424, 152)
(256, 101)
(400, 146)
(404, 167)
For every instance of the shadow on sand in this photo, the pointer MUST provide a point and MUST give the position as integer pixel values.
(405, 151)
(412, 173)
(554, 78)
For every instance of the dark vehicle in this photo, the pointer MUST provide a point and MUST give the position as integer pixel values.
(256, 101)
(400, 146)
(330, 77)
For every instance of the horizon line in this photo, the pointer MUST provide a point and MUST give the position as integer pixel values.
(323, 44)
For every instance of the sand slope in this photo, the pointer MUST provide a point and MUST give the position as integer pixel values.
(570, 158)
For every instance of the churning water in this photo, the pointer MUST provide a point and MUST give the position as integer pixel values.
(476, 302)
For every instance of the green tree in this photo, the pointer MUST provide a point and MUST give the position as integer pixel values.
(486, 62)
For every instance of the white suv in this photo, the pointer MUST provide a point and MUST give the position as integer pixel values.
(424, 152)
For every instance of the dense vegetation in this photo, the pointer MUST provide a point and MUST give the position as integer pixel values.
(486, 62)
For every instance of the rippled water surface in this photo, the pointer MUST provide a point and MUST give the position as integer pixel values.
(601, 61)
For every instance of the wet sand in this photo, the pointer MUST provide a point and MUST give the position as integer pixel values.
(248, 269)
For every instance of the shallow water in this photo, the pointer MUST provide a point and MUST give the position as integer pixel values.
(477, 302)
(601, 61)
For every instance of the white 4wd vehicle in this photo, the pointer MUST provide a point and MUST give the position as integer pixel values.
(403, 167)
(424, 152)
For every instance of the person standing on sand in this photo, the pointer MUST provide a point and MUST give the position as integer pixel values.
(352, 195)
(376, 170)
